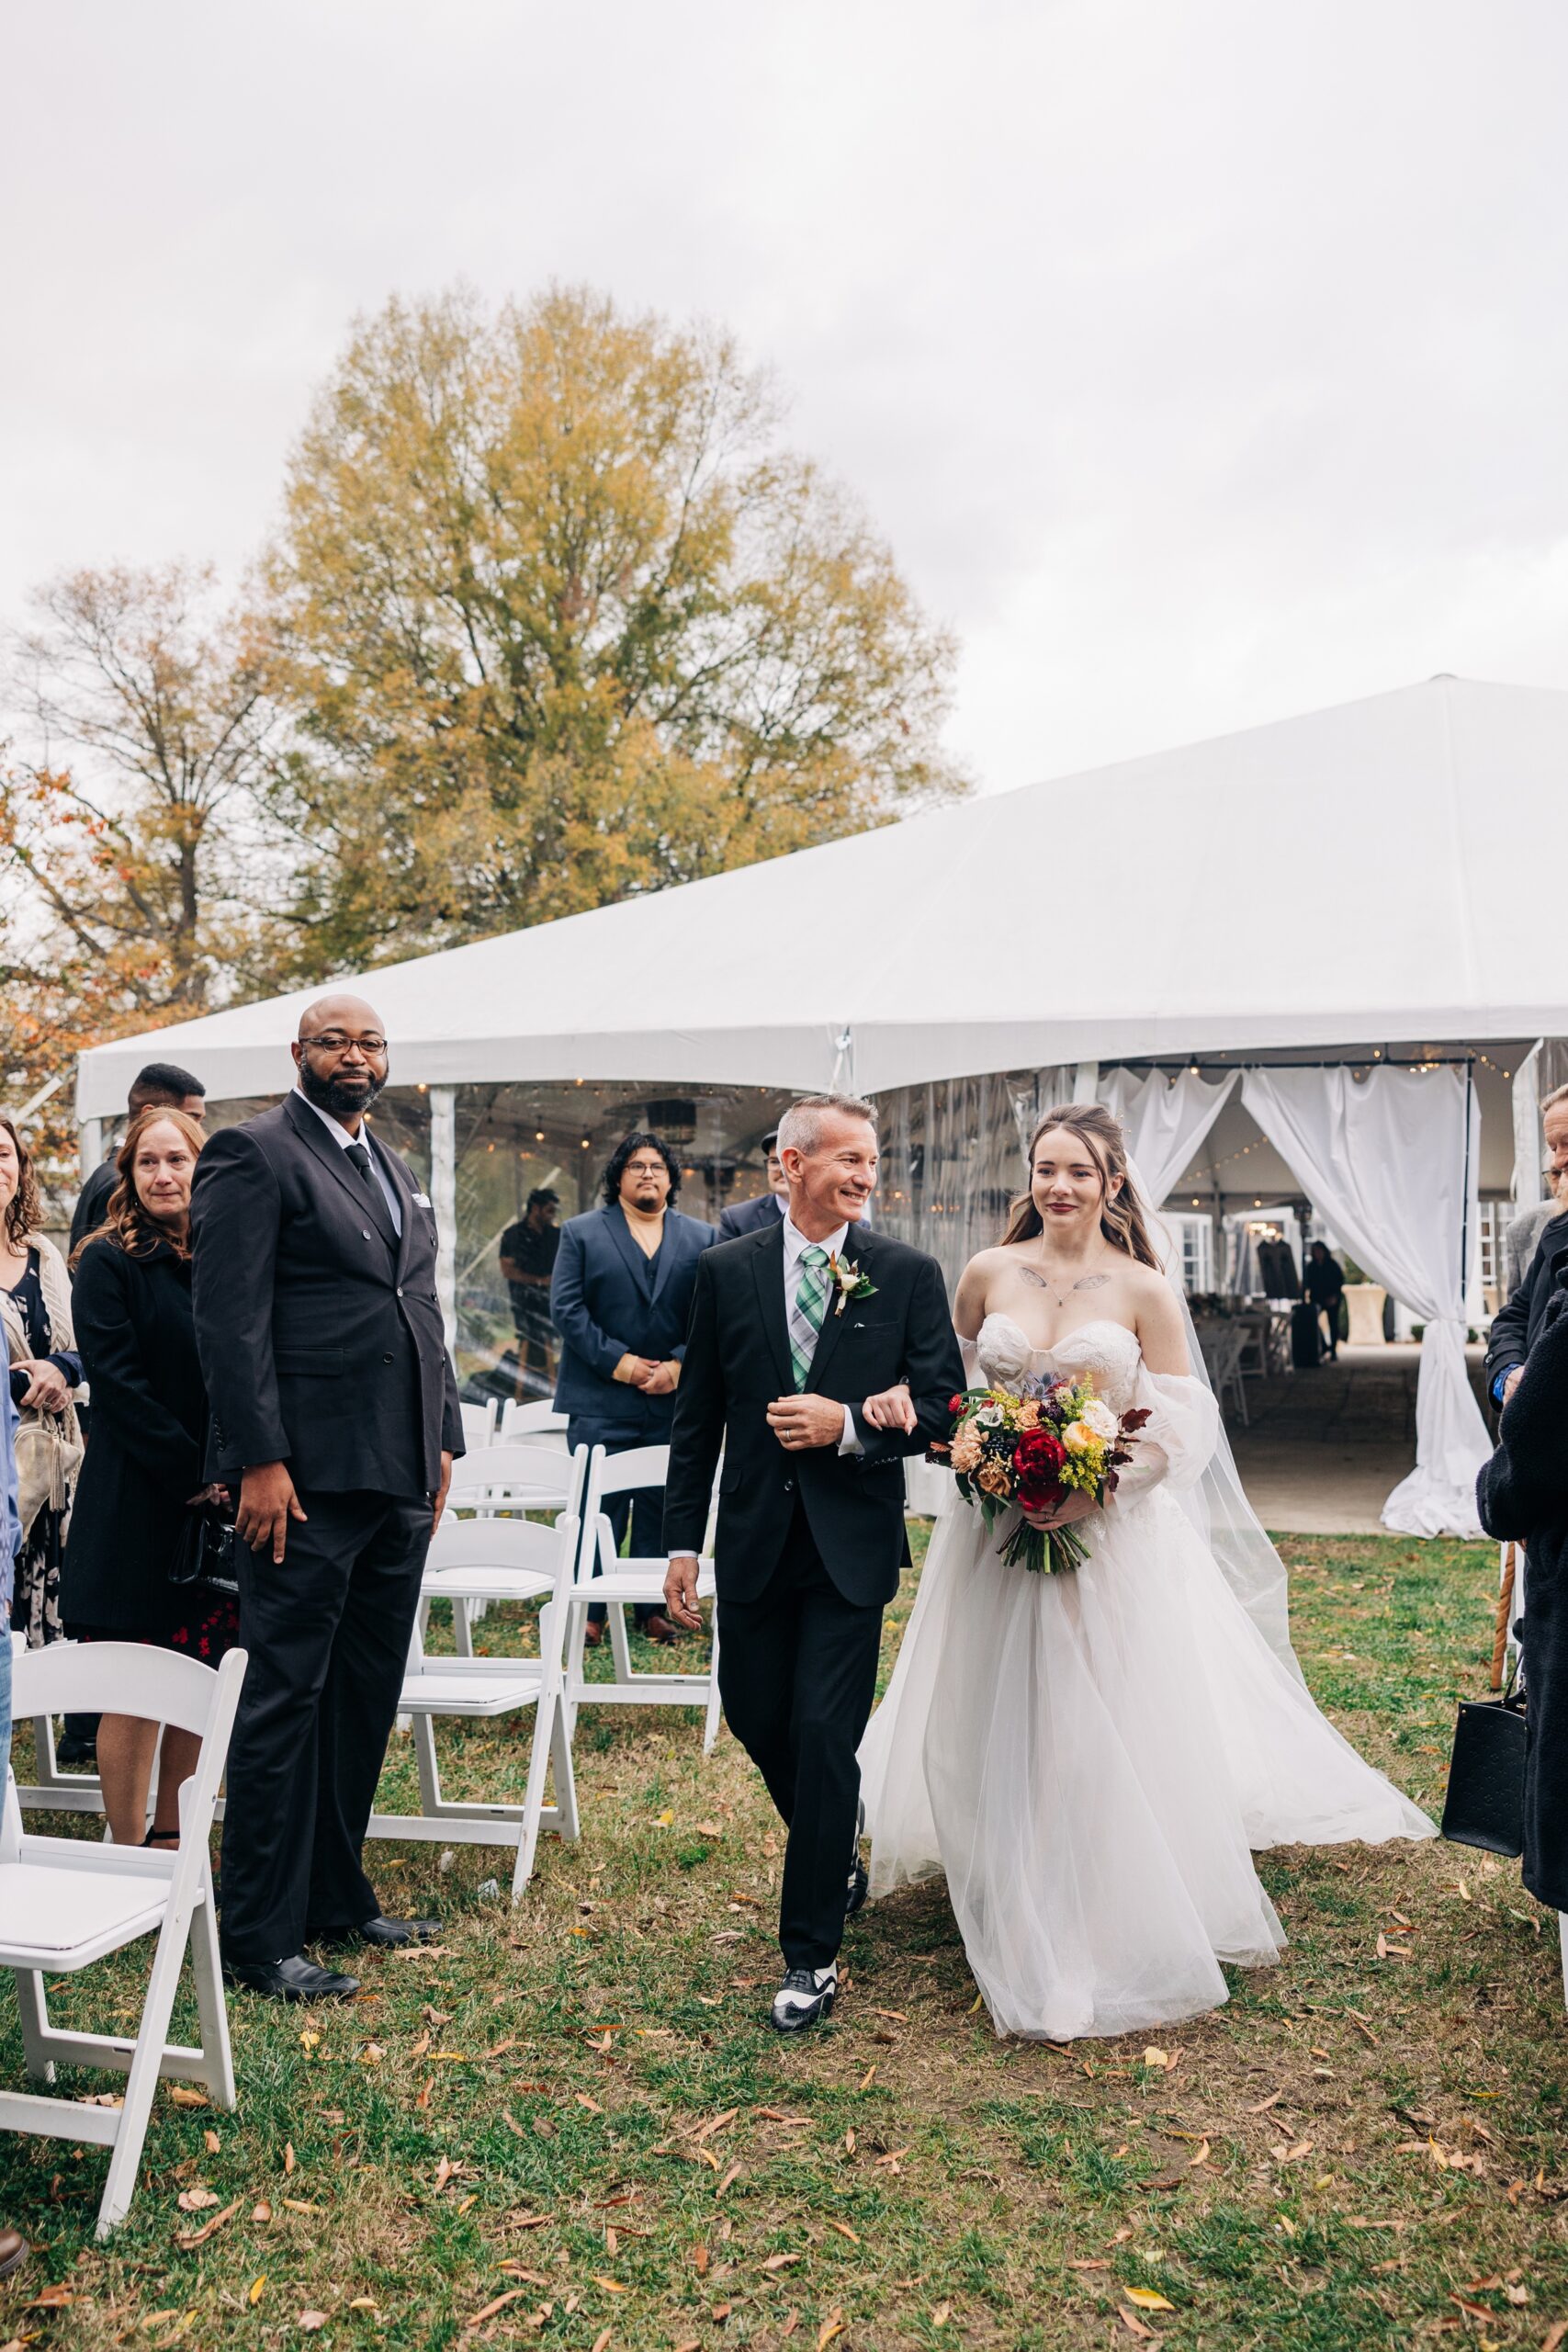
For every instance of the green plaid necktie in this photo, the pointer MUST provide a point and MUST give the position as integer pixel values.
(810, 1305)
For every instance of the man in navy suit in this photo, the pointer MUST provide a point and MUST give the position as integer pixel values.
(620, 1297)
(756, 1216)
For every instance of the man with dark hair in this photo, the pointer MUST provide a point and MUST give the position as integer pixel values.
(527, 1261)
(172, 1088)
(336, 1419)
(756, 1215)
(621, 1293)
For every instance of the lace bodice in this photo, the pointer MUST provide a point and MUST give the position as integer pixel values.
(1108, 1353)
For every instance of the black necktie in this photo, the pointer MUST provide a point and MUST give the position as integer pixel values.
(361, 1158)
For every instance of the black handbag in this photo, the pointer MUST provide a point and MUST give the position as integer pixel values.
(1485, 1801)
(204, 1552)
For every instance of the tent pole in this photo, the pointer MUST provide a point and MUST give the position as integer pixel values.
(444, 1201)
(1528, 1190)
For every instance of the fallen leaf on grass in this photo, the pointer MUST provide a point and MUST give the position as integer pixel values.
(1472, 2311)
(601, 2339)
(496, 2304)
(310, 2321)
(590, 2104)
(715, 2123)
(897, 2015)
(1134, 2325)
(1146, 2299)
(526, 2221)
(844, 2231)
(868, 2078)
(1200, 2156)
(189, 2240)
(515, 2270)
(182, 2096)
(700, 2259)
(288, 2157)
(211, 2143)
(730, 2178)
(850, 2140)
(421, 2046)
(1555, 2335)
(611, 2286)
(260, 2211)
(777, 2115)
(299, 2205)
(781, 2261)
(1264, 2104)
(253, 2293)
(787, 2329)
(833, 2325)
(197, 2200)
(1291, 2155)
(55, 2298)
(941, 2314)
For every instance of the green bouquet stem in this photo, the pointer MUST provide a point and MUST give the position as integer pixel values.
(1045, 1551)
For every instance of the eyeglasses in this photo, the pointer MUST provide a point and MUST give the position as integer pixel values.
(332, 1041)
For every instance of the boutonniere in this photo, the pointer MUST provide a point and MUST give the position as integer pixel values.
(849, 1282)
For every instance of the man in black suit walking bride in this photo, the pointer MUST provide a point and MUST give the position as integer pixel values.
(818, 1355)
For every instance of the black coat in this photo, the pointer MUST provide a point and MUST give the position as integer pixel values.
(604, 1306)
(1523, 1497)
(1514, 1326)
(751, 1216)
(737, 1362)
(137, 1341)
(318, 1329)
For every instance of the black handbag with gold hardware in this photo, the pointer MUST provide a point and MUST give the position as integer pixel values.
(1485, 1801)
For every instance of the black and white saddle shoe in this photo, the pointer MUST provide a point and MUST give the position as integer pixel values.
(804, 1998)
(294, 1979)
(859, 1888)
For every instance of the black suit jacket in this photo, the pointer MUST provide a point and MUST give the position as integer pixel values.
(1516, 1325)
(603, 1308)
(737, 1362)
(319, 1330)
(751, 1216)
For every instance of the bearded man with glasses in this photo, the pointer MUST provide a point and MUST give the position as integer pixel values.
(334, 1418)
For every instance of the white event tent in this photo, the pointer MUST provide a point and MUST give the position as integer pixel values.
(1368, 884)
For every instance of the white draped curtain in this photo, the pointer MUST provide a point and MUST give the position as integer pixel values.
(1391, 1163)
(1165, 1120)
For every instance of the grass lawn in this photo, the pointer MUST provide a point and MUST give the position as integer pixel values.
(570, 2124)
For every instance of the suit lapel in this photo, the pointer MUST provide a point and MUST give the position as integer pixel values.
(672, 1248)
(767, 1271)
(832, 1321)
(313, 1135)
(621, 1234)
(402, 1183)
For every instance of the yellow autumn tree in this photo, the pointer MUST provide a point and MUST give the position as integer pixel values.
(557, 617)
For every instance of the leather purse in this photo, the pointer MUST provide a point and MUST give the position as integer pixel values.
(1485, 1802)
(204, 1552)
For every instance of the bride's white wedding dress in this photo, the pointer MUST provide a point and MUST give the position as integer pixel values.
(1092, 1757)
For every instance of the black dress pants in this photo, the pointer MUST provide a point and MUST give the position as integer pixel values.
(327, 1631)
(797, 1674)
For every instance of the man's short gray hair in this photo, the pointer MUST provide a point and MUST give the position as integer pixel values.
(1558, 1094)
(800, 1130)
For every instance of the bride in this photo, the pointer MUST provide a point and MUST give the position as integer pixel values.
(1091, 1757)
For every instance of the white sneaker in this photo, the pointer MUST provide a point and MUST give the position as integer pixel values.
(804, 1996)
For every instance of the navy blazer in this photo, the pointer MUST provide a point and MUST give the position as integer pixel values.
(601, 1305)
(749, 1216)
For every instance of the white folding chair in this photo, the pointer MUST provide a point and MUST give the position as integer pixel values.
(537, 1424)
(66, 1902)
(55, 1790)
(473, 1562)
(510, 1478)
(478, 1424)
(482, 1688)
(619, 1584)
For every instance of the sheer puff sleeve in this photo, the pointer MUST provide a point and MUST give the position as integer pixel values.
(1176, 1444)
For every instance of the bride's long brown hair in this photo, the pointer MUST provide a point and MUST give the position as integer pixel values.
(1121, 1214)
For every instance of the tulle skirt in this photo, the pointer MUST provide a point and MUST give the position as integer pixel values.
(1091, 1758)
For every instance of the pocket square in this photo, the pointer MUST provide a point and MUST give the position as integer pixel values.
(422, 1200)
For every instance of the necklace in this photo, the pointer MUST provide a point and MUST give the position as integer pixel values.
(1085, 1281)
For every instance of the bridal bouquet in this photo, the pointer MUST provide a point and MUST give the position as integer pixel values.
(1034, 1449)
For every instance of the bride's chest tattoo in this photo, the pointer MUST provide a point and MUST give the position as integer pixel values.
(1087, 1281)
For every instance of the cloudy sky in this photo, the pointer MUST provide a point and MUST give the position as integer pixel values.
(1203, 362)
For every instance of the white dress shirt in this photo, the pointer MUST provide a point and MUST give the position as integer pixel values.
(794, 1241)
(340, 1135)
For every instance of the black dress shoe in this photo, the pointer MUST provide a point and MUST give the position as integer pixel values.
(13, 2252)
(71, 1753)
(805, 1996)
(859, 1888)
(295, 1979)
(390, 1935)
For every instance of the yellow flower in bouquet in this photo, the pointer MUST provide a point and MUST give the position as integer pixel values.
(1078, 1438)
